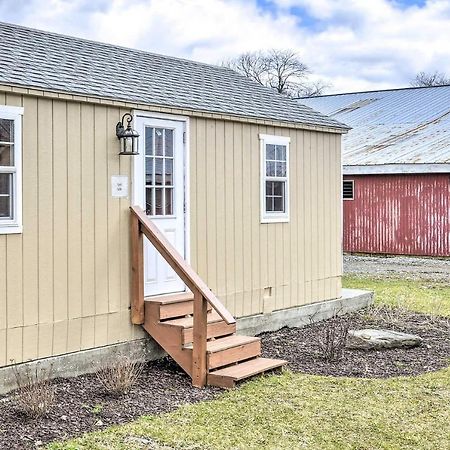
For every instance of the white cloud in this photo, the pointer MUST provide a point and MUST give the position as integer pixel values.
(352, 44)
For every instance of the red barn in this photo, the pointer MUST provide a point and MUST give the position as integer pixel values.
(396, 159)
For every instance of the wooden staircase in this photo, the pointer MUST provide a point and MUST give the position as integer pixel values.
(194, 328)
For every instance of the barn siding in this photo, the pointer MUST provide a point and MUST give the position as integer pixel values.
(399, 214)
(65, 281)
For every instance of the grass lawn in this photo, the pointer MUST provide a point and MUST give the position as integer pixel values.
(296, 411)
(422, 296)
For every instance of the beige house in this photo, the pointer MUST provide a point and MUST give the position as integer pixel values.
(244, 184)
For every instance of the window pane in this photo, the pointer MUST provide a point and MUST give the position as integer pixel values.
(269, 204)
(278, 204)
(269, 187)
(5, 183)
(159, 202)
(169, 202)
(278, 188)
(159, 171)
(169, 172)
(149, 170)
(6, 130)
(159, 141)
(270, 151)
(281, 153)
(149, 201)
(5, 207)
(169, 142)
(6, 155)
(270, 169)
(281, 169)
(149, 141)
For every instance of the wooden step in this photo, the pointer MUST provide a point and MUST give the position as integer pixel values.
(174, 305)
(228, 376)
(216, 327)
(230, 349)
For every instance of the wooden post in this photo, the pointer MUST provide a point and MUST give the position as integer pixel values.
(199, 371)
(137, 275)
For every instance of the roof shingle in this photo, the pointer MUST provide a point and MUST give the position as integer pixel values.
(39, 59)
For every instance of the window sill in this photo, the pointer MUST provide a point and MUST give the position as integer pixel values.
(11, 229)
(279, 219)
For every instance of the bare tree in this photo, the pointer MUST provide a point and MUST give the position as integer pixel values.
(423, 79)
(281, 70)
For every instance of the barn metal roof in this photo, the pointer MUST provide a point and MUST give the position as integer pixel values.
(50, 61)
(407, 127)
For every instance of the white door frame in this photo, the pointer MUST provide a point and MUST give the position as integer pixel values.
(137, 167)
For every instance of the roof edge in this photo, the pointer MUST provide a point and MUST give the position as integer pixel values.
(399, 169)
(407, 88)
(96, 99)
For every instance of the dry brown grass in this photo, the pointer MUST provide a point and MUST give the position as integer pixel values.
(118, 378)
(35, 394)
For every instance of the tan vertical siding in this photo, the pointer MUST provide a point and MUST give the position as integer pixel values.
(65, 281)
(299, 260)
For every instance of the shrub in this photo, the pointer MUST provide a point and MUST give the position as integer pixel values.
(117, 378)
(332, 337)
(35, 394)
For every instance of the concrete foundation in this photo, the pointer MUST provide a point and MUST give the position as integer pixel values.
(88, 361)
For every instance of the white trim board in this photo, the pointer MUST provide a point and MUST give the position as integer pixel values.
(386, 169)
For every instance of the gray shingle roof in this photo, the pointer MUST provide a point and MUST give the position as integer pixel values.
(44, 60)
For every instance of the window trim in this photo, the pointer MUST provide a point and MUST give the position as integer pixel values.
(353, 190)
(273, 217)
(14, 225)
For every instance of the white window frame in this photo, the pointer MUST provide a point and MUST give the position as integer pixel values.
(273, 216)
(353, 189)
(14, 225)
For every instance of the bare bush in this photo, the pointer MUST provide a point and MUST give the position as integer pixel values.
(35, 394)
(117, 378)
(332, 337)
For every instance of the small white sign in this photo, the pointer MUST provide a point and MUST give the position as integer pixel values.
(119, 186)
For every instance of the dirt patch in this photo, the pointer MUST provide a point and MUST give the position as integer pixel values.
(300, 347)
(83, 406)
(405, 267)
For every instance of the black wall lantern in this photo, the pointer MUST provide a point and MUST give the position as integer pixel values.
(127, 136)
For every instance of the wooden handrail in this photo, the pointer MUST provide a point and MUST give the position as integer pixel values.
(176, 262)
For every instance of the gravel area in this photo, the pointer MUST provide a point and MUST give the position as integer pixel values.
(413, 268)
(300, 346)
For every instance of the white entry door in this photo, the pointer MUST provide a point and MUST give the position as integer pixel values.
(159, 188)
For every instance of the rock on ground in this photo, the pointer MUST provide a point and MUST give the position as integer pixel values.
(370, 339)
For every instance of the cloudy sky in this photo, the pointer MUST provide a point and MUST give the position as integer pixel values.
(351, 44)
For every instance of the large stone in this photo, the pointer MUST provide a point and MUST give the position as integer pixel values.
(370, 339)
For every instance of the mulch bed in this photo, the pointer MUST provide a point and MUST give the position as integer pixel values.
(301, 348)
(83, 405)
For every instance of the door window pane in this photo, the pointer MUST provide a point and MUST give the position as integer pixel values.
(169, 202)
(149, 201)
(149, 141)
(169, 172)
(6, 155)
(149, 171)
(169, 143)
(159, 162)
(159, 148)
(6, 130)
(159, 202)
